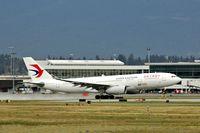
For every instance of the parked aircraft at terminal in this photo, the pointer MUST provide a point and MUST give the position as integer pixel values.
(109, 85)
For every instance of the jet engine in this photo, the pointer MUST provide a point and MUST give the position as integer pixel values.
(132, 90)
(116, 90)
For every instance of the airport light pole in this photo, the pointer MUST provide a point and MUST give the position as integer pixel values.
(12, 67)
(71, 56)
(114, 56)
(149, 56)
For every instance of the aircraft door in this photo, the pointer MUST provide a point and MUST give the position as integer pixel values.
(57, 85)
(139, 83)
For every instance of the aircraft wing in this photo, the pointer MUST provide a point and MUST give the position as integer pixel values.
(96, 86)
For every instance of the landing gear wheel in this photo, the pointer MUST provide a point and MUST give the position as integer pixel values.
(104, 97)
(111, 97)
(97, 97)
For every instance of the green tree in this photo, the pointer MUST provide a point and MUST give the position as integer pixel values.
(130, 60)
(122, 58)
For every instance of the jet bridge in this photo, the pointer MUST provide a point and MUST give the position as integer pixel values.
(194, 83)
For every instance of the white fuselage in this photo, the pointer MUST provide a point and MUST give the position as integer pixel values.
(132, 82)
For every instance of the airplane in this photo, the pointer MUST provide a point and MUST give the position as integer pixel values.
(105, 86)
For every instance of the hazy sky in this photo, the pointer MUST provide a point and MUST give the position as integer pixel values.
(100, 27)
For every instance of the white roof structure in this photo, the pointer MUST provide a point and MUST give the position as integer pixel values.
(85, 62)
(89, 64)
(197, 61)
(98, 67)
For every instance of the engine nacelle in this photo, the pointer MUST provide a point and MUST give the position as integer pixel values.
(132, 90)
(116, 90)
(91, 90)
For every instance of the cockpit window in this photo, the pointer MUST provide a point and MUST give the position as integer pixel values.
(173, 76)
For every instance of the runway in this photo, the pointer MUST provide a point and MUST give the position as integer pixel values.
(38, 96)
(91, 97)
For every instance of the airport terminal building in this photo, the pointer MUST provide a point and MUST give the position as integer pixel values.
(189, 71)
(76, 69)
(89, 68)
(181, 69)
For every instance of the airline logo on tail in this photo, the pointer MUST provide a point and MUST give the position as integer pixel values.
(38, 72)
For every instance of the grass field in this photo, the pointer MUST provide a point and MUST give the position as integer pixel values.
(54, 117)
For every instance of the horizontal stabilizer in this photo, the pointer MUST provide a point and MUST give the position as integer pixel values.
(41, 84)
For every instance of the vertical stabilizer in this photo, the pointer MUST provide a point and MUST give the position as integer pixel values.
(35, 71)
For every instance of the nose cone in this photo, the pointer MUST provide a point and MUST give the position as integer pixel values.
(175, 79)
(178, 79)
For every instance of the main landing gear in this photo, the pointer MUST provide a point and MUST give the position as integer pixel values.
(104, 97)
